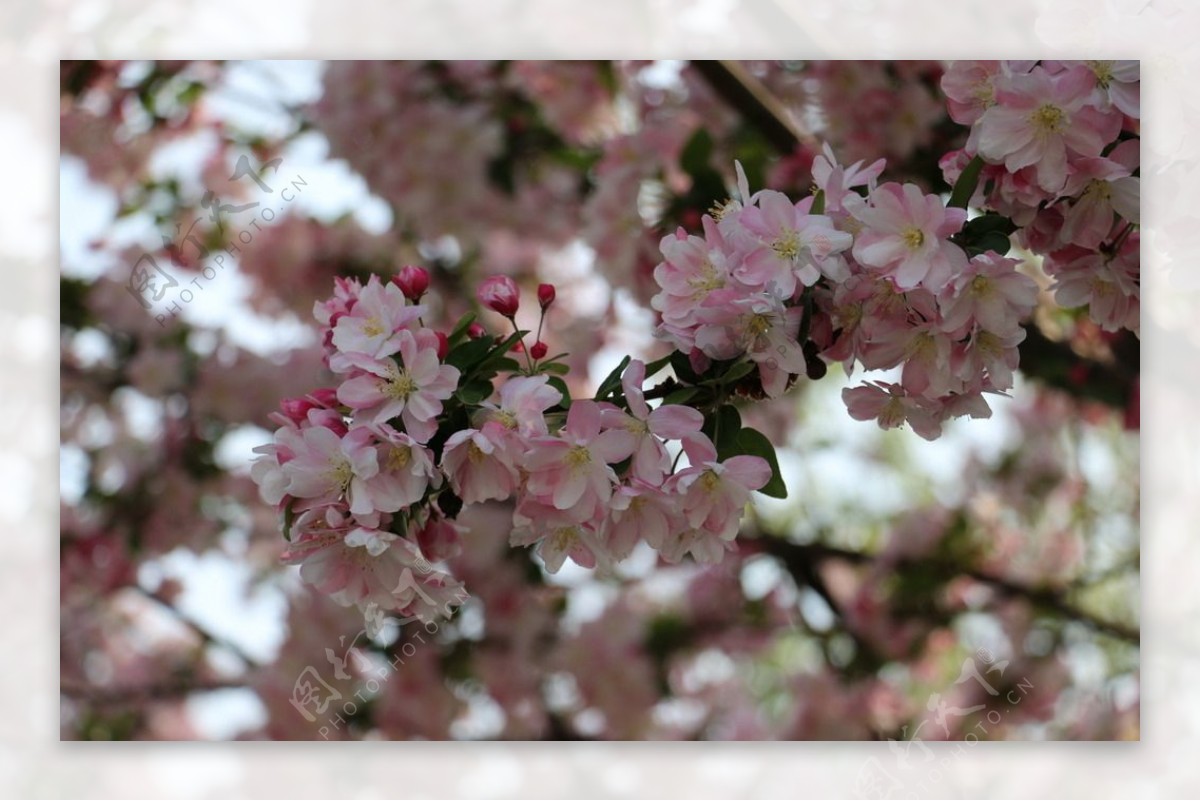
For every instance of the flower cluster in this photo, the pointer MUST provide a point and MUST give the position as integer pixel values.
(875, 280)
(1060, 151)
(370, 474)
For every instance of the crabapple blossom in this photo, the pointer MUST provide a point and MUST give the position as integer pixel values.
(413, 390)
(648, 427)
(1041, 120)
(571, 471)
(478, 466)
(373, 325)
(326, 468)
(905, 236)
(712, 494)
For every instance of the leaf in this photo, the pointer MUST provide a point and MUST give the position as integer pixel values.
(460, 328)
(561, 386)
(737, 371)
(681, 396)
(557, 368)
(475, 392)
(289, 517)
(654, 367)
(683, 367)
(752, 442)
(818, 206)
(722, 427)
(500, 352)
(613, 380)
(964, 187)
(696, 153)
(469, 353)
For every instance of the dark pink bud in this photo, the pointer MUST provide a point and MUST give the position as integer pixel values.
(500, 294)
(439, 539)
(443, 345)
(538, 351)
(325, 397)
(475, 330)
(413, 281)
(545, 295)
(517, 347)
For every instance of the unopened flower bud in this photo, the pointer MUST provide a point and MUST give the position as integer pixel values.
(500, 294)
(538, 351)
(545, 295)
(413, 281)
(475, 330)
(443, 345)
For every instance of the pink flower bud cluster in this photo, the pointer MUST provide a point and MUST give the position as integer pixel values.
(361, 471)
(872, 280)
(1060, 143)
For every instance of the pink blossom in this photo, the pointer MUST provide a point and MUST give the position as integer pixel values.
(837, 182)
(693, 267)
(649, 427)
(639, 511)
(478, 466)
(326, 468)
(1108, 285)
(523, 404)
(413, 390)
(988, 351)
(989, 292)
(558, 539)
(905, 236)
(571, 471)
(1040, 120)
(761, 327)
(793, 246)
(406, 471)
(374, 323)
(712, 494)
(1102, 188)
(891, 407)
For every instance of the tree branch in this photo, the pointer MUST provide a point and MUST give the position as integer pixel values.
(747, 95)
(800, 560)
(164, 690)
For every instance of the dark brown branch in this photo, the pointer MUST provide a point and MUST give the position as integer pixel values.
(159, 691)
(801, 559)
(207, 637)
(752, 100)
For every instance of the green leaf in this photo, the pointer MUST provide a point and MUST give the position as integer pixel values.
(722, 427)
(460, 328)
(469, 354)
(694, 157)
(965, 186)
(561, 386)
(818, 206)
(289, 517)
(752, 442)
(736, 372)
(681, 396)
(683, 367)
(500, 352)
(556, 368)
(985, 232)
(475, 392)
(609, 384)
(654, 367)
